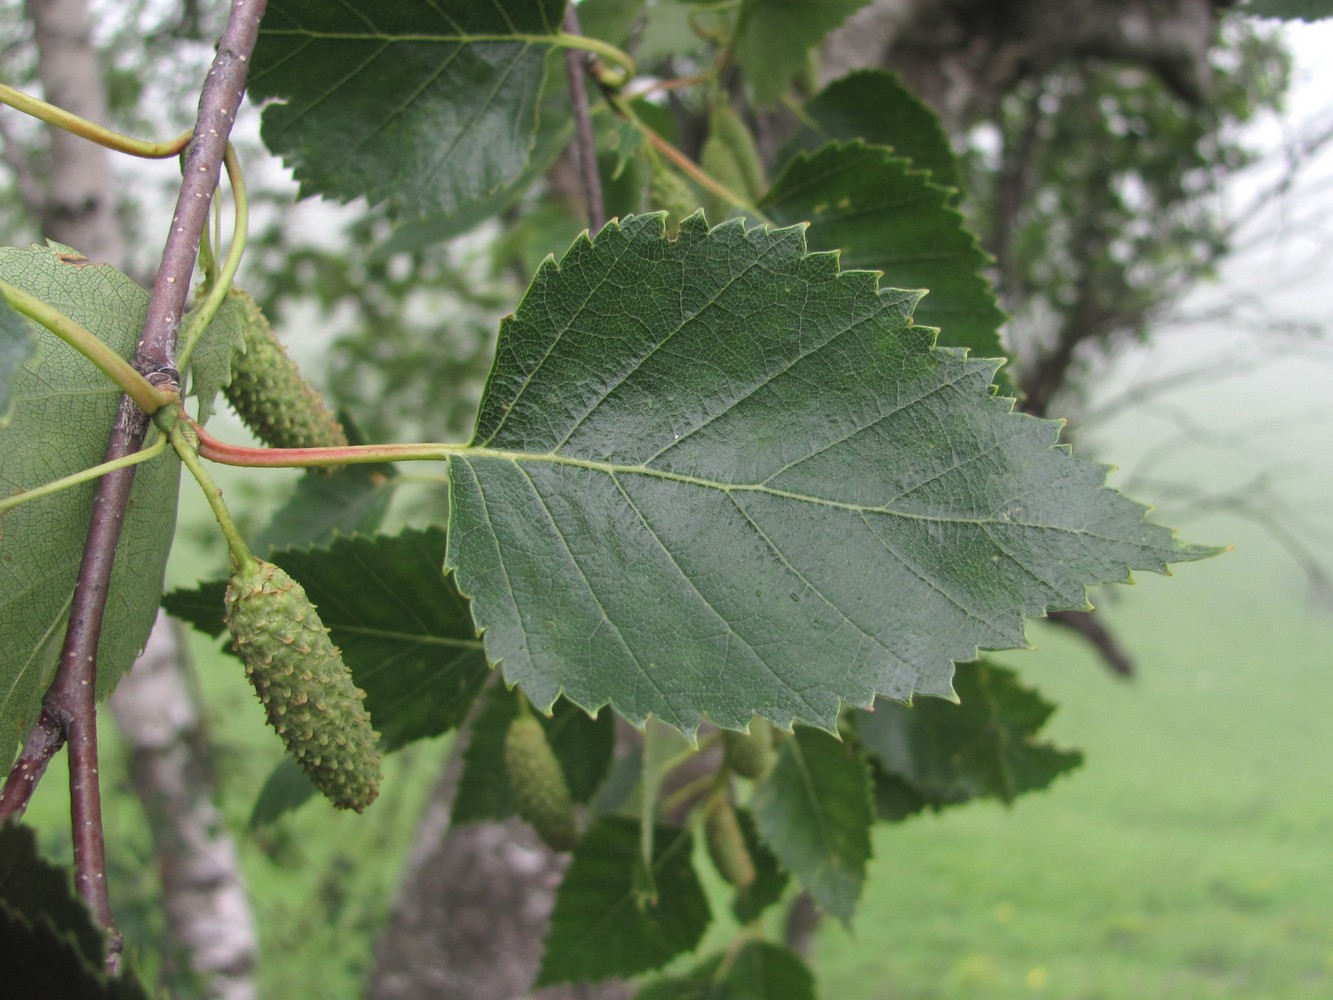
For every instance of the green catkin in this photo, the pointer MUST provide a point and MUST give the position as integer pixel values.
(726, 843)
(749, 754)
(541, 793)
(306, 689)
(270, 394)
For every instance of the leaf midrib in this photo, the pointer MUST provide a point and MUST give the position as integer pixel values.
(614, 469)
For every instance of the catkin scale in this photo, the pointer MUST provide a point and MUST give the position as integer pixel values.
(541, 793)
(270, 394)
(303, 683)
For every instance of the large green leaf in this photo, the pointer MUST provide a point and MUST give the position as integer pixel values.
(17, 345)
(402, 627)
(716, 475)
(775, 36)
(428, 104)
(874, 106)
(814, 811)
(607, 922)
(985, 746)
(758, 970)
(62, 417)
(885, 216)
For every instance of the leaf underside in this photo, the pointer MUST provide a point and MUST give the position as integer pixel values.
(429, 106)
(62, 416)
(17, 345)
(814, 812)
(607, 921)
(984, 747)
(758, 970)
(717, 476)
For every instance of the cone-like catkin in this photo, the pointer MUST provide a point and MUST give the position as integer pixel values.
(306, 688)
(541, 793)
(270, 394)
(749, 755)
(726, 843)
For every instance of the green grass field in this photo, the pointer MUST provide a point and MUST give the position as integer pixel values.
(1189, 858)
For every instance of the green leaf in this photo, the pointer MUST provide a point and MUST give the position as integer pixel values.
(63, 412)
(760, 970)
(402, 627)
(52, 948)
(605, 923)
(895, 799)
(814, 811)
(17, 346)
(210, 364)
(985, 746)
(555, 130)
(775, 36)
(873, 105)
(1290, 10)
(884, 216)
(350, 500)
(428, 105)
(38, 889)
(286, 789)
(730, 157)
(715, 475)
(583, 746)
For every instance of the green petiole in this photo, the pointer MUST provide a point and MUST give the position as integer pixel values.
(61, 118)
(186, 442)
(87, 475)
(149, 397)
(219, 285)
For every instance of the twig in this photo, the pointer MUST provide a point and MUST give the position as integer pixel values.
(71, 700)
(72, 697)
(1101, 639)
(44, 741)
(585, 146)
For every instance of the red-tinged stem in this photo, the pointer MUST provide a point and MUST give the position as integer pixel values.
(71, 700)
(306, 458)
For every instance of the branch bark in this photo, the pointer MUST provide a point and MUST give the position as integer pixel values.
(71, 700)
(575, 64)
